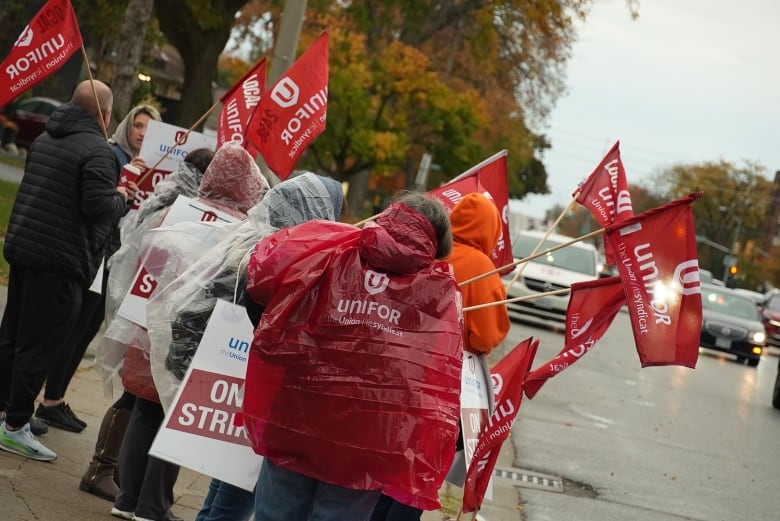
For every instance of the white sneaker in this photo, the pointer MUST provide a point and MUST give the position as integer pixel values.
(24, 443)
(122, 514)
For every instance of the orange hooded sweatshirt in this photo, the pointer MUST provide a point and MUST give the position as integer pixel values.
(476, 228)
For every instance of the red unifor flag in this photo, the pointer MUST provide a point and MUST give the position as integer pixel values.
(43, 47)
(490, 177)
(238, 105)
(293, 112)
(658, 264)
(508, 376)
(605, 193)
(592, 307)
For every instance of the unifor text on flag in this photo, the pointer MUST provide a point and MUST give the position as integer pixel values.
(292, 113)
(593, 305)
(657, 259)
(508, 377)
(491, 179)
(605, 193)
(238, 106)
(51, 37)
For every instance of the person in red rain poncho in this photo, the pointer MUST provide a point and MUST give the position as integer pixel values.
(476, 229)
(353, 377)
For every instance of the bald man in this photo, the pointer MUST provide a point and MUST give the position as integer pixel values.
(62, 219)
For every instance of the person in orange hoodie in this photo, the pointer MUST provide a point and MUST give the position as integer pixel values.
(476, 229)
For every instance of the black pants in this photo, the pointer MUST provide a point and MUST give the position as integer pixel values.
(39, 319)
(93, 311)
(388, 509)
(146, 482)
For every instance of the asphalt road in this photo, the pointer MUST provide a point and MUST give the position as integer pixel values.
(661, 443)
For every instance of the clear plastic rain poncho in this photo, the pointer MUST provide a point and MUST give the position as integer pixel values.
(231, 183)
(180, 308)
(182, 181)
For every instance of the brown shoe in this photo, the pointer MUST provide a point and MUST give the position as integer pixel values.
(99, 477)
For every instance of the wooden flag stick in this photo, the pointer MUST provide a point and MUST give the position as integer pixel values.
(94, 92)
(517, 299)
(532, 257)
(182, 139)
(550, 230)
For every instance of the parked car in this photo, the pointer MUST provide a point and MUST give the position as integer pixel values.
(755, 296)
(706, 277)
(770, 312)
(30, 116)
(555, 270)
(731, 323)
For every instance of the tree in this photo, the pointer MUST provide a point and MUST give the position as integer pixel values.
(384, 109)
(128, 56)
(199, 30)
(732, 209)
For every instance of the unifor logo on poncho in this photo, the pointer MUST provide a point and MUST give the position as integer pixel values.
(368, 312)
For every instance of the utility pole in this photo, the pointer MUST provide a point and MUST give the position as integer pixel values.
(287, 44)
(285, 51)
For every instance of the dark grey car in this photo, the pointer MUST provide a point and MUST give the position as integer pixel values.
(731, 323)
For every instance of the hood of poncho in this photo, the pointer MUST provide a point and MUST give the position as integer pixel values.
(232, 181)
(299, 199)
(400, 240)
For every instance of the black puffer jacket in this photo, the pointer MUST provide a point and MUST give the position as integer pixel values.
(67, 202)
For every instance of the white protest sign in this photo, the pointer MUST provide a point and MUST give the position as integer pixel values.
(475, 386)
(199, 431)
(183, 209)
(159, 139)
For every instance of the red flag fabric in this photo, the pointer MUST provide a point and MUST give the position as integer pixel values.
(605, 193)
(592, 307)
(659, 266)
(44, 46)
(490, 178)
(508, 376)
(293, 113)
(238, 105)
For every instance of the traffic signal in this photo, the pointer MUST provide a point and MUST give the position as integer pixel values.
(733, 270)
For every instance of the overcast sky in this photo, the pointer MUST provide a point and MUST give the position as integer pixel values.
(688, 81)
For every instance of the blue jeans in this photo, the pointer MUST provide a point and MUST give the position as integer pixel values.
(284, 495)
(226, 502)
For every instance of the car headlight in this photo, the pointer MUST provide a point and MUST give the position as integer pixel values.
(759, 337)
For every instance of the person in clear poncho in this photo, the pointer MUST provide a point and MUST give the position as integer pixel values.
(178, 312)
(232, 183)
(184, 302)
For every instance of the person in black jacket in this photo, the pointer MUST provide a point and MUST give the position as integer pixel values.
(53, 409)
(60, 225)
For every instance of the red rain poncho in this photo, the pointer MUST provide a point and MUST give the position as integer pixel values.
(354, 372)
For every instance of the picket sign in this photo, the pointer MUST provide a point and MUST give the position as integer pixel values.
(159, 139)
(183, 209)
(199, 431)
(476, 402)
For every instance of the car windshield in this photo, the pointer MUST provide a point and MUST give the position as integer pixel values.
(729, 303)
(774, 302)
(570, 258)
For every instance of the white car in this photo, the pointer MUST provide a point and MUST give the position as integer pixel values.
(557, 269)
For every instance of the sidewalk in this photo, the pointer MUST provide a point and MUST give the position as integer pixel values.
(36, 491)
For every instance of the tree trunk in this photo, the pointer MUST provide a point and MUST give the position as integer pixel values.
(357, 197)
(200, 39)
(131, 43)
